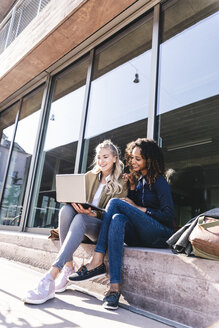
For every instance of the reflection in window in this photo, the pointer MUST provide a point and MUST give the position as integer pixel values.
(188, 104)
(189, 61)
(12, 202)
(120, 88)
(59, 149)
(7, 120)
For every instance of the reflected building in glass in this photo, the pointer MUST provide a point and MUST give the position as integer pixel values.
(136, 71)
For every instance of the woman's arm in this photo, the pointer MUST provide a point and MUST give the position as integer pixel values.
(165, 214)
(131, 202)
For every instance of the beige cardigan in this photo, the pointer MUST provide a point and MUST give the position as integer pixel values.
(92, 184)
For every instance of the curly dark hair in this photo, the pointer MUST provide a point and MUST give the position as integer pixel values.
(153, 155)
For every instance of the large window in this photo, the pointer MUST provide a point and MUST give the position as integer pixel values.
(188, 104)
(187, 116)
(118, 106)
(59, 145)
(22, 151)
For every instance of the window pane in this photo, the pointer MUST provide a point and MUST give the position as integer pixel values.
(12, 202)
(7, 120)
(59, 149)
(120, 88)
(188, 104)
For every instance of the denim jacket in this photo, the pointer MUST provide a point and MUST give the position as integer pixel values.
(156, 198)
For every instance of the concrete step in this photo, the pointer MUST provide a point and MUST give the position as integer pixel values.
(179, 288)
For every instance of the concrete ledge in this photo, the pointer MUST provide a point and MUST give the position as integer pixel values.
(180, 288)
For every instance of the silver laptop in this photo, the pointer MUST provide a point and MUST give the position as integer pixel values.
(72, 188)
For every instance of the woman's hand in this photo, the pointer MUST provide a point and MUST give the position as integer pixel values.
(129, 177)
(129, 201)
(79, 209)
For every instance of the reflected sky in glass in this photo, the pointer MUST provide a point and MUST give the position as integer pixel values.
(9, 132)
(189, 65)
(189, 72)
(116, 100)
(65, 120)
(26, 132)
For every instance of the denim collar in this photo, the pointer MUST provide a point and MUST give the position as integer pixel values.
(143, 179)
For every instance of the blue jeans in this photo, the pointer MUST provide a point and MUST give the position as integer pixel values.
(123, 222)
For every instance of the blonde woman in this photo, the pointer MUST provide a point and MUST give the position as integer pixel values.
(103, 183)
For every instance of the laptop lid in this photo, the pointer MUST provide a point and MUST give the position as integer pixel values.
(71, 188)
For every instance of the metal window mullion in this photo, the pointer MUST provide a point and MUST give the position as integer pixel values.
(151, 132)
(39, 6)
(19, 22)
(9, 34)
(40, 136)
(10, 153)
(80, 147)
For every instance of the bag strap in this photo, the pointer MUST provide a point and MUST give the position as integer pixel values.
(207, 225)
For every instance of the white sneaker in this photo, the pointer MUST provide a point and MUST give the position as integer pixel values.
(43, 292)
(62, 281)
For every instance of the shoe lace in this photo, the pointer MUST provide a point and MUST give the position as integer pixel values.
(82, 268)
(43, 284)
(67, 271)
(111, 292)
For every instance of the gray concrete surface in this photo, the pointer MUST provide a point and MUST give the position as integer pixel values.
(176, 287)
(69, 309)
(182, 289)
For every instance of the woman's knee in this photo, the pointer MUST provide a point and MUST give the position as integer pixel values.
(66, 213)
(114, 202)
(79, 221)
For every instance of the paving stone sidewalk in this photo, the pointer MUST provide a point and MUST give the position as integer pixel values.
(69, 309)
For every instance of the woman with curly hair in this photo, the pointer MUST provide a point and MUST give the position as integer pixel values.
(144, 218)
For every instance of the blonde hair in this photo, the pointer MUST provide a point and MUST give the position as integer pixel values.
(112, 186)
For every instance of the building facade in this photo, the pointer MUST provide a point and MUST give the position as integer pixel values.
(74, 73)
